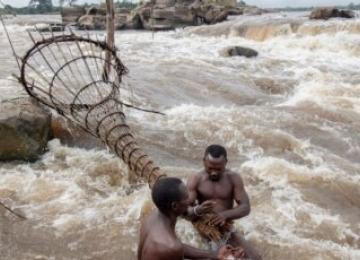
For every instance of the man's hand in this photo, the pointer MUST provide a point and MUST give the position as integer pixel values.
(229, 252)
(204, 208)
(218, 220)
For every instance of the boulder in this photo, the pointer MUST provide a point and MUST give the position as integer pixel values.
(95, 19)
(50, 27)
(238, 51)
(330, 12)
(208, 13)
(215, 15)
(98, 22)
(90, 22)
(222, 3)
(183, 16)
(71, 15)
(24, 129)
(72, 135)
(235, 11)
(133, 21)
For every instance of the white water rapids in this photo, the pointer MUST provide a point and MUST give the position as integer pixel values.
(290, 119)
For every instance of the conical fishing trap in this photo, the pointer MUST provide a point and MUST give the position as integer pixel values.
(80, 78)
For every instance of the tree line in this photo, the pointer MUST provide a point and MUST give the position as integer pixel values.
(350, 6)
(46, 6)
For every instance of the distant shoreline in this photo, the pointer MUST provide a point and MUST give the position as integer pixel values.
(56, 10)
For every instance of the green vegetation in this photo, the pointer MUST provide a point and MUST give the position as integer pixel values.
(351, 6)
(124, 4)
(45, 7)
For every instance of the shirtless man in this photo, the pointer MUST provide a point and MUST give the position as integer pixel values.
(158, 240)
(218, 184)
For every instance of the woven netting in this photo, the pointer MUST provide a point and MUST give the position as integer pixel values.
(72, 75)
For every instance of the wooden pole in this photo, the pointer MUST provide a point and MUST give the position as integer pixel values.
(110, 30)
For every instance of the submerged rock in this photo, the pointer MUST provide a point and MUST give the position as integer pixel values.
(238, 51)
(330, 12)
(24, 130)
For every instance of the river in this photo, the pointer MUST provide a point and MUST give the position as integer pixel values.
(289, 118)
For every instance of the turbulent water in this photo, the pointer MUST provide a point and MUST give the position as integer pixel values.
(290, 119)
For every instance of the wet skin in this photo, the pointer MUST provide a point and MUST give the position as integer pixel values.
(223, 188)
(158, 240)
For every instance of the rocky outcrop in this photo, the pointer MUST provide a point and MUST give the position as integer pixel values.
(163, 14)
(70, 15)
(327, 13)
(208, 13)
(95, 19)
(50, 27)
(72, 135)
(238, 51)
(24, 130)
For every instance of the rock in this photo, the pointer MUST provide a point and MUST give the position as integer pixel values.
(133, 21)
(215, 15)
(347, 14)
(235, 11)
(95, 19)
(223, 3)
(238, 51)
(330, 12)
(24, 130)
(72, 135)
(72, 14)
(208, 14)
(96, 11)
(163, 14)
(92, 22)
(183, 16)
(50, 27)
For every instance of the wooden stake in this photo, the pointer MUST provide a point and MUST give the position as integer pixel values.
(110, 29)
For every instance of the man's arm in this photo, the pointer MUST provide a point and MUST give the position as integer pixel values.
(192, 188)
(195, 253)
(241, 198)
(196, 211)
(161, 251)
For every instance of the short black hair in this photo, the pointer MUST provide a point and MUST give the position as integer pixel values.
(215, 151)
(165, 192)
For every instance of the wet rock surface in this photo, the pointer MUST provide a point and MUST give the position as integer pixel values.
(238, 51)
(24, 130)
(165, 14)
(72, 14)
(327, 13)
(72, 135)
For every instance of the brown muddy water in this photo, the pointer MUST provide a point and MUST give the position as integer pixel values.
(290, 119)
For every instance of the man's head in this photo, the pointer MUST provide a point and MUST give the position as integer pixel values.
(215, 159)
(170, 196)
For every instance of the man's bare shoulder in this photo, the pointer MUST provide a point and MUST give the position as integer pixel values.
(234, 176)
